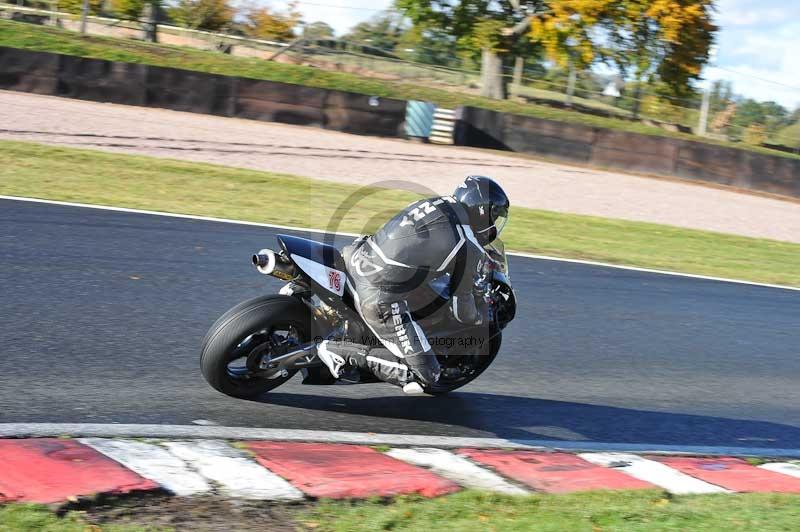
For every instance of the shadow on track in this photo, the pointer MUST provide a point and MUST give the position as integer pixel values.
(520, 418)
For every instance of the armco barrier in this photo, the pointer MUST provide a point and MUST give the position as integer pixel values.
(635, 153)
(279, 102)
(197, 92)
(359, 113)
(547, 137)
(105, 81)
(628, 151)
(194, 92)
(35, 72)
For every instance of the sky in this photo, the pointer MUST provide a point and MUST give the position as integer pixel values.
(758, 45)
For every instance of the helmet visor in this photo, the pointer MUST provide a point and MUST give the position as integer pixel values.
(500, 223)
(500, 218)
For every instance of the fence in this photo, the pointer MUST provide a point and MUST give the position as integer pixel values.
(589, 95)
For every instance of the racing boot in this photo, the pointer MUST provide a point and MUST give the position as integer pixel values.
(413, 388)
(333, 360)
(343, 359)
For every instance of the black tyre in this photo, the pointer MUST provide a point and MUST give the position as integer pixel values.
(251, 328)
(474, 364)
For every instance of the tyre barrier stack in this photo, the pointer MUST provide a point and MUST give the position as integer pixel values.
(429, 123)
(444, 124)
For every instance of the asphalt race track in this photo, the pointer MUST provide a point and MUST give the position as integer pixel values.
(103, 313)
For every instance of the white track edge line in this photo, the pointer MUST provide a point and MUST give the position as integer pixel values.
(114, 430)
(169, 214)
(322, 231)
(650, 270)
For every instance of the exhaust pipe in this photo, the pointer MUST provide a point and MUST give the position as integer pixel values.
(268, 263)
(264, 261)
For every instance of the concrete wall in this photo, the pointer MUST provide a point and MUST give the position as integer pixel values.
(197, 92)
(628, 151)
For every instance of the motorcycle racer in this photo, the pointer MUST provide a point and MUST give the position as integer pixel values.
(436, 241)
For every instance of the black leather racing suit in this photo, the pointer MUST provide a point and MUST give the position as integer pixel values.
(430, 240)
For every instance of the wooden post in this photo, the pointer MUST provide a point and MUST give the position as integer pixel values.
(519, 66)
(149, 22)
(84, 14)
(703, 123)
(571, 83)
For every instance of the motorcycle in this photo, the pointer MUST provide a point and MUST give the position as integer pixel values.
(262, 343)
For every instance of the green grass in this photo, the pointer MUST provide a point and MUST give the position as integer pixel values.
(788, 136)
(468, 511)
(68, 174)
(49, 39)
(549, 94)
(36, 518)
(632, 511)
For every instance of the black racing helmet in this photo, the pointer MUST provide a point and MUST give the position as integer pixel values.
(486, 204)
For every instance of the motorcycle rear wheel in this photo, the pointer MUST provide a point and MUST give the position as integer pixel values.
(254, 327)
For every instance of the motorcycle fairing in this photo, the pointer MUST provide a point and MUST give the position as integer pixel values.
(321, 263)
(329, 278)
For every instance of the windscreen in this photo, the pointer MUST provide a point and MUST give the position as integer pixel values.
(497, 252)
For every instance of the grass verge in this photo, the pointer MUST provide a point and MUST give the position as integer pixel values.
(631, 511)
(68, 174)
(48, 39)
(466, 511)
(36, 518)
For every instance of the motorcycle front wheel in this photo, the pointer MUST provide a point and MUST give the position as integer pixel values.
(249, 332)
(460, 370)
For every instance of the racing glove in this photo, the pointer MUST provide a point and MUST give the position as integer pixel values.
(466, 309)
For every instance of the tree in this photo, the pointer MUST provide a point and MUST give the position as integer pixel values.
(768, 114)
(131, 9)
(664, 40)
(721, 96)
(75, 6)
(317, 31)
(567, 30)
(382, 31)
(484, 30)
(262, 22)
(754, 134)
(668, 40)
(722, 120)
(211, 15)
(428, 45)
